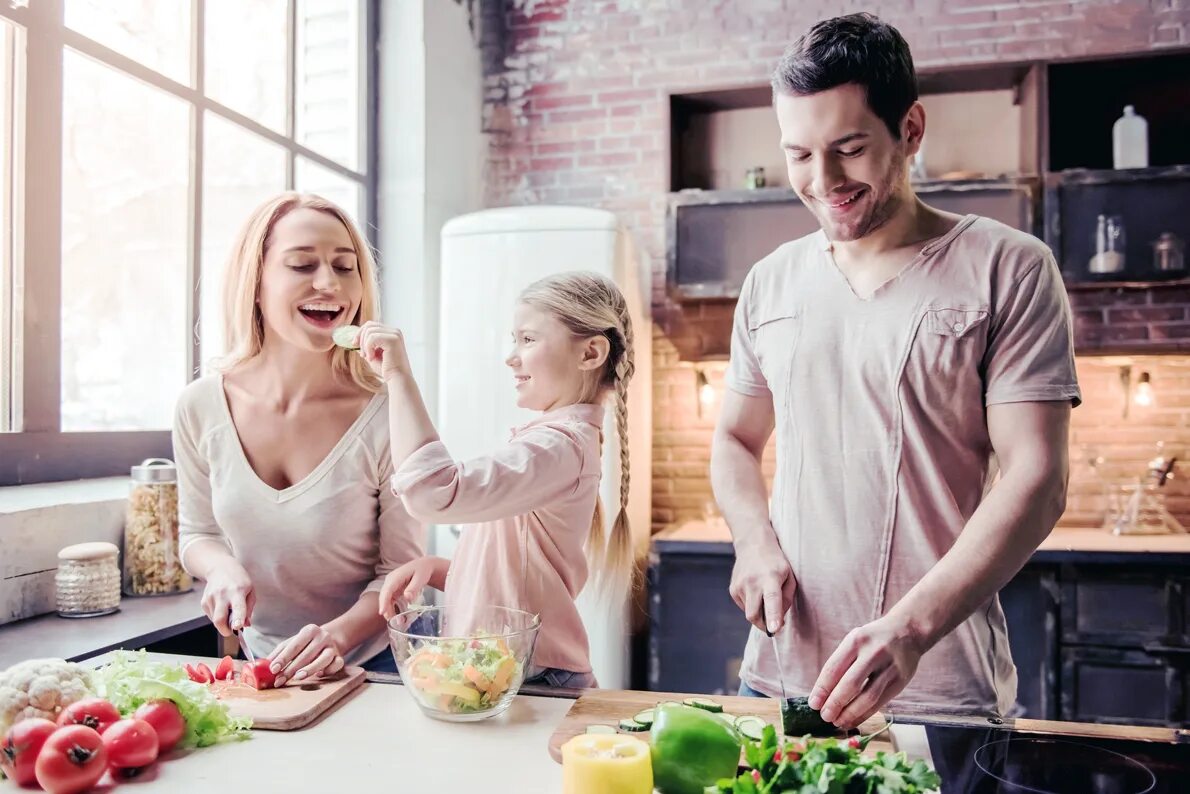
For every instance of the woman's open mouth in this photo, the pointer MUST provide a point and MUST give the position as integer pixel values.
(322, 315)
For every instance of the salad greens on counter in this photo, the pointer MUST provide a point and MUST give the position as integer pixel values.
(826, 766)
(132, 678)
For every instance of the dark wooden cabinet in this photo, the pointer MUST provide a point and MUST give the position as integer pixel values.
(696, 632)
(1095, 637)
(1117, 685)
(1030, 604)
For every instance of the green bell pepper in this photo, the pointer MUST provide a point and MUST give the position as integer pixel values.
(691, 749)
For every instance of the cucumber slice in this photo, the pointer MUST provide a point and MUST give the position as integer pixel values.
(600, 729)
(751, 727)
(632, 726)
(704, 704)
(727, 718)
(345, 336)
(645, 717)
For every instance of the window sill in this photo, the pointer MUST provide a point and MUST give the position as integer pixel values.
(37, 521)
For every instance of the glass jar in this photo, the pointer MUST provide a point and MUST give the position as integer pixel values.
(1109, 245)
(151, 564)
(1168, 253)
(754, 178)
(88, 580)
(1139, 509)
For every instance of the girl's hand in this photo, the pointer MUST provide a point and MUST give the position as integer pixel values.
(308, 654)
(384, 350)
(402, 586)
(229, 592)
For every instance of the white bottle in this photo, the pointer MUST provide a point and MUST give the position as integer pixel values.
(1130, 140)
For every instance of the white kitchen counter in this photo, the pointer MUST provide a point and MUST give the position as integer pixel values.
(377, 740)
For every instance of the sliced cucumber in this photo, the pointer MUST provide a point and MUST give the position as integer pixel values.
(645, 717)
(727, 718)
(751, 727)
(632, 726)
(345, 336)
(704, 704)
(600, 729)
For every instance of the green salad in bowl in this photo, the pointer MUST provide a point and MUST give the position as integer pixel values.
(460, 664)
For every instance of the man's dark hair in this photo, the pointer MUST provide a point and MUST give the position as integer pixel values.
(857, 48)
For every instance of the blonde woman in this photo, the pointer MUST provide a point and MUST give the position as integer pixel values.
(531, 508)
(283, 456)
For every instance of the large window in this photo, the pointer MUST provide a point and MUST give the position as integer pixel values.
(135, 136)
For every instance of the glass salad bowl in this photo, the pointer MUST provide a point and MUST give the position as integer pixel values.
(463, 664)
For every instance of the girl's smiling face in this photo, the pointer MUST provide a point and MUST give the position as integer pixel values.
(552, 366)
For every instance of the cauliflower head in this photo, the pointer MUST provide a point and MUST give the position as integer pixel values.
(40, 688)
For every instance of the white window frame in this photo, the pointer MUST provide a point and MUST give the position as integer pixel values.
(37, 450)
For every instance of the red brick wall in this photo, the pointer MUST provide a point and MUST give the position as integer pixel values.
(579, 113)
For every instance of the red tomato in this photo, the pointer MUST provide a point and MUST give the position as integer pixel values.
(95, 713)
(258, 675)
(71, 760)
(165, 718)
(131, 744)
(225, 669)
(199, 673)
(18, 753)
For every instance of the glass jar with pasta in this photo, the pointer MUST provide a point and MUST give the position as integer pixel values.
(151, 565)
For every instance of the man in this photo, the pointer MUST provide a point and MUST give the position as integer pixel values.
(905, 357)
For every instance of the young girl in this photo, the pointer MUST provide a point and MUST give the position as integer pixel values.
(532, 507)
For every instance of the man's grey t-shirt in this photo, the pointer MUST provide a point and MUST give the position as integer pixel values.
(882, 443)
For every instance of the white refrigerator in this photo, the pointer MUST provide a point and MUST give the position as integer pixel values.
(488, 257)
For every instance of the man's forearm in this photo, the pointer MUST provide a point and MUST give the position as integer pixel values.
(999, 539)
(738, 484)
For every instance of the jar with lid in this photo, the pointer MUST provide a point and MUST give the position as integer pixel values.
(151, 564)
(1109, 245)
(1168, 253)
(88, 580)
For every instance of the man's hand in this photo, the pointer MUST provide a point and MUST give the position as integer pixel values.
(870, 667)
(762, 584)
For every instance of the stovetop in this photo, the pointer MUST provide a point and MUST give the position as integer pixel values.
(994, 761)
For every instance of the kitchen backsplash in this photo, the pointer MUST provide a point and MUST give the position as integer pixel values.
(1106, 447)
(578, 111)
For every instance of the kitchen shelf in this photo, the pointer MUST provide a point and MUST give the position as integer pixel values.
(1151, 201)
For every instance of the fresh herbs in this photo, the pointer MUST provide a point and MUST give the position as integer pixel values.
(826, 766)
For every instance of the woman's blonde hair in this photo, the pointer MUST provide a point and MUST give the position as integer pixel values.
(242, 320)
(590, 305)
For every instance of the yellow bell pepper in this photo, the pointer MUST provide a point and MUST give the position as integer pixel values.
(606, 764)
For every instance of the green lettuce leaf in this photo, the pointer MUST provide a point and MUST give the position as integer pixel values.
(133, 678)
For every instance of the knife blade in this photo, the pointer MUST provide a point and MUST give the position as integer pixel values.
(780, 667)
(244, 647)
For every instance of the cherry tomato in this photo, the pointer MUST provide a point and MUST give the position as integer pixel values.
(18, 753)
(71, 760)
(166, 719)
(202, 669)
(95, 713)
(225, 669)
(258, 675)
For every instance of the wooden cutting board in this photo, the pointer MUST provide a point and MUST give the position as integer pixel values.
(292, 706)
(608, 707)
